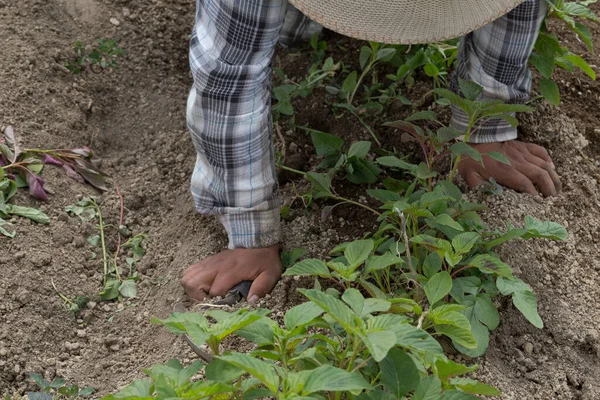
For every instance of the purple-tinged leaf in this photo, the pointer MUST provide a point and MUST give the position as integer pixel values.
(51, 160)
(36, 186)
(71, 173)
(91, 174)
(12, 141)
(326, 212)
(84, 151)
(2, 161)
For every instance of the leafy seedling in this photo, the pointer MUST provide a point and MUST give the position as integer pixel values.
(97, 59)
(57, 389)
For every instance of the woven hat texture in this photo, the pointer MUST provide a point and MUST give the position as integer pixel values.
(404, 21)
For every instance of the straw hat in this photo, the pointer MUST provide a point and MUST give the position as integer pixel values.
(404, 21)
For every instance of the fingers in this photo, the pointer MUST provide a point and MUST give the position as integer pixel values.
(516, 180)
(540, 152)
(473, 178)
(197, 281)
(262, 285)
(224, 281)
(548, 167)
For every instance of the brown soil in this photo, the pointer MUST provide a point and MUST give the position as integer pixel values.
(134, 120)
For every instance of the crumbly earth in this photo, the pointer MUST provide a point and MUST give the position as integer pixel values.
(134, 120)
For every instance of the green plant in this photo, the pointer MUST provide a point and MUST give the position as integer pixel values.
(57, 389)
(548, 52)
(117, 282)
(74, 304)
(326, 348)
(97, 59)
(289, 90)
(22, 167)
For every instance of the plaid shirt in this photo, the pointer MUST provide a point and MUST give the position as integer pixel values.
(228, 110)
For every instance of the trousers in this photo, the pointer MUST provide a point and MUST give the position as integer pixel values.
(228, 107)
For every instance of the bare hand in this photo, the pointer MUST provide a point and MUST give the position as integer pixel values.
(217, 274)
(530, 166)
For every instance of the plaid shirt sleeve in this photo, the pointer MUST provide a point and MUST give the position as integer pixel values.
(228, 110)
(228, 113)
(495, 56)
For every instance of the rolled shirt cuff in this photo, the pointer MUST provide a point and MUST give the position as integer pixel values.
(252, 229)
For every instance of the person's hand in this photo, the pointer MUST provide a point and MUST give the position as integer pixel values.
(216, 275)
(530, 166)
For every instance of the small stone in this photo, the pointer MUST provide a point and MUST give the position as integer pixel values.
(180, 157)
(91, 305)
(81, 333)
(106, 308)
(72, 346)
(50, 362)
(115, 347)
(528, 348)
(3, 352)
(114, 21)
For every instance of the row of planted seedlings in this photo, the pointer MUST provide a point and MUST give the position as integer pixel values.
(428, 274)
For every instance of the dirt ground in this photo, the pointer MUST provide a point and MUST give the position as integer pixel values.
(134, 120)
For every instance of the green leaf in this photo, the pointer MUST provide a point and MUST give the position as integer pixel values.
(445, 134)
(491, 265)
(128, 289)
(383, 195)
(498, 157)
(334, 307)
(446, 220)
(464, 242)
(365, 56)
(28, 212)
(430, 388)
(463, 149)
(486, 312)
(581, 64)
(219, 370)
(543, 63)
(432, 264)
(139, 390)
(379, 343)
(422, 115)
(350, 83)
(386, 54)
(308, 267)
(475, 387)
(94, 240)
(359, 149)
(467, 106)
(399, 374)
(358, 251)
(527, 304)
(450, 189)
(332, 379)
(262, 370)
(7, 229)
(479, 331)
(544, 229)
(325, 143)
(363, 307)
(395, 162)
(470, 89)
(438, 286)
(302, 314)
(111, 289)
(549, 90)
(458, 395)
(376, 263)
(457, 327)
(447, 368)
(321, 183)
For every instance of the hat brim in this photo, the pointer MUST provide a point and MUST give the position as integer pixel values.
(404, 21)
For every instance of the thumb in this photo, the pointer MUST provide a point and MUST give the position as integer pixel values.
(262, 285)
(473, 178)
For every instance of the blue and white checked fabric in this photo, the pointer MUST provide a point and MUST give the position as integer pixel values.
(495, 56)
(228, 110)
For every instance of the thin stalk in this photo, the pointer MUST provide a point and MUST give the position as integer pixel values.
(458, 157)
(291, 169)
(356, 203)
(362, 76)
(103, 242)
(367, 127)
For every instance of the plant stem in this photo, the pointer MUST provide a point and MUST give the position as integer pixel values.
(458, 157)
(364, 73)
(356, 203)
(103, 242)
(367, 127)
(291, 169)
